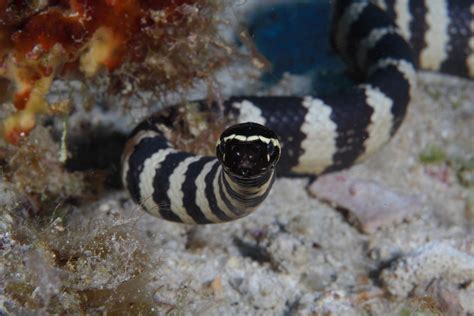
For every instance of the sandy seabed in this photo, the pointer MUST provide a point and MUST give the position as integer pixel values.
(299, 255)
(296, 255)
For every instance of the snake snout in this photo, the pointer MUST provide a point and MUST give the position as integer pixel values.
(248, 150)
(247, 167)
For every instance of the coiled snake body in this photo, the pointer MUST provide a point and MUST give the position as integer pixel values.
(382, 41)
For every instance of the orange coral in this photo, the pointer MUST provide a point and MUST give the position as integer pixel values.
(38, 44)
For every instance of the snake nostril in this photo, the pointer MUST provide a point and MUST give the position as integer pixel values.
(246, 164)
(244, 171)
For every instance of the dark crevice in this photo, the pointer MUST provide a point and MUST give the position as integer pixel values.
(98, 152)
(291, 307)
(252, 251)
(374, 275)
(257, 253)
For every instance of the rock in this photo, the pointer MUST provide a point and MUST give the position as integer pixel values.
(434, 261)
(262, 291)
(371, 205)
(328, 303)
(446, 297)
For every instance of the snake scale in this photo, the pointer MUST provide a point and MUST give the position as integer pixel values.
(382, 41)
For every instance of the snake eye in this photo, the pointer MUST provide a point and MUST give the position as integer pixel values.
(221, 147)
(220, 150)
(270, 148)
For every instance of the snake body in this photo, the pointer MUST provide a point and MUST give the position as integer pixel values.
(383, 42)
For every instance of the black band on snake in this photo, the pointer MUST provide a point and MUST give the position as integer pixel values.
(382, 41)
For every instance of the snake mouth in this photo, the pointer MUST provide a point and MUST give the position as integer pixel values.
(246, 167)
(244, 173)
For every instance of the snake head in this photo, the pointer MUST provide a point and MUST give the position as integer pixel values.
(248, 150)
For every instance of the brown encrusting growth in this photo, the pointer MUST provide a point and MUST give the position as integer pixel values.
(61, 268)
(34, 170)
(154, 45)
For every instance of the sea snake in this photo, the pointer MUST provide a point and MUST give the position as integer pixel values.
(382, 41)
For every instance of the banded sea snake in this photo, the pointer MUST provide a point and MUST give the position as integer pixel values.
(383, 41)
